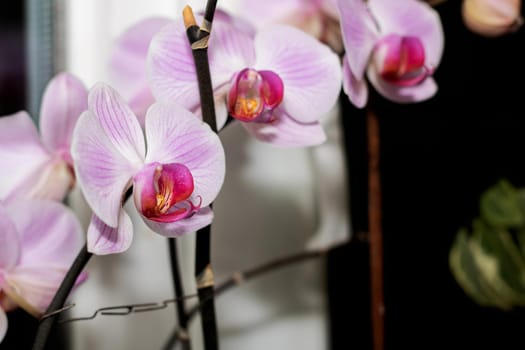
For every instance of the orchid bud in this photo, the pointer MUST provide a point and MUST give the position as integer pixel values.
(492, 17)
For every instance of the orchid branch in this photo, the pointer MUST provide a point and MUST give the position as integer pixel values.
(46, 325)
(198, 38)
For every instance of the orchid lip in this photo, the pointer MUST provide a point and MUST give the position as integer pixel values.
(254, 95)
(400, 60)
(162, 192)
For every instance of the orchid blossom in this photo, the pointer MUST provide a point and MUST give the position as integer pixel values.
(39, 240)
(127, 66)
(34, 166)
(492, 17)
(397, 43)
(318, 18)
(174, 180)
(278, 83)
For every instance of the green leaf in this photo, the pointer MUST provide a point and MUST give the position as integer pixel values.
(501, 206)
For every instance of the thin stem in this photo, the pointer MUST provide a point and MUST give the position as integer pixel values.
(375, 232)
(182, 316)
(240, 277)
(46, 325)
(198, 38)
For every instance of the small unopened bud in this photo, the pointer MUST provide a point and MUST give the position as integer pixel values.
(492, 17)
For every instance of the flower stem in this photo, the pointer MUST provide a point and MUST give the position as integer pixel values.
(198, 38)
(375, 232)
(240, 277)
(46, 325)
(182, 316)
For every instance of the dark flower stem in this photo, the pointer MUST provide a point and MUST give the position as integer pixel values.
(198, 38)
(375, 232)
(182, 316)
(241, 277)
(46, 325)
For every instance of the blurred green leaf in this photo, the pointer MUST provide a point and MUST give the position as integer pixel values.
(502, 206)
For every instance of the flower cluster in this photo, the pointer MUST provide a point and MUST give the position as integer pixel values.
(143, 137)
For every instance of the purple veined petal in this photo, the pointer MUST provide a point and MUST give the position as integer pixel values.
(102, 172)
(356, 90)
(175, 135)
(64, 99)
(171, 67)
(402, 94)
(49, 232)
(118, 122)
(284, 131)
(104, 240)
(200, 219)
(310, 71)
(3, 324)
(412, 18)
(21, 153)
(9, 243)
(32, 287)
(359, 34)
(127, 65)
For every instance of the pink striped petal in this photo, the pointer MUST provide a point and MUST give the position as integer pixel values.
(411, 18)
(403, 94)
(3, 324)
(171, 66)
(175, 135)
(284, 131)
(356, 90)
(118, 122)
(359, 34)
(102, 172)
(9, 243)
(103, 240)
(127, 66)
(310, 71)
(64, 99)
(200, 219)
(22, 155)
(49, 232)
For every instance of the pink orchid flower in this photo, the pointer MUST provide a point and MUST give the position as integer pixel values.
(174, 180)
(127, 66)
(318, 18)
(278, 83)
(34, 166)
(39, 240)
(492, 17)
(397, 43)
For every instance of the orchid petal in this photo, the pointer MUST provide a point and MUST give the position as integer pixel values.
(411, 18)
(356, 90)
(127, 66)
(172, 69)
(174, 135)
(9, 243)
(198, 220)
(103, 239)
(33, 287)
(102, 172)
(359, 34)
(118, 122)
(270, 11)
(3, 324)
(21, 153)
(49, 232)
(403, 94)
(284, 131)
(64, 99)
(310, 71)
